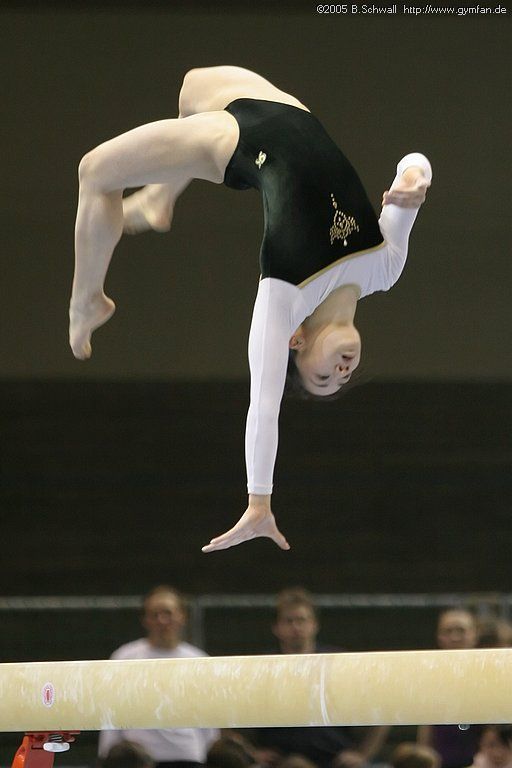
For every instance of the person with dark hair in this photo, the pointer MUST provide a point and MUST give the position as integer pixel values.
(164, 617)
(296, 627)
(230, 751)
(296, 624)
(495, 747)
(323, 248)
(494, 632)
(456, 630)
(126, 754)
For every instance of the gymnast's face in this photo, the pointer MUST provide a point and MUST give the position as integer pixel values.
(164, 619)
(326, 358)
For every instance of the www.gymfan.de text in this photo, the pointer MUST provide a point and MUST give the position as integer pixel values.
(362, 8)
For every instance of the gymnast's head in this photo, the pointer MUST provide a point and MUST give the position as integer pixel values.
(323, 357)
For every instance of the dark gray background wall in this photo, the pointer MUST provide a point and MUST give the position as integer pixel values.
(73, 77)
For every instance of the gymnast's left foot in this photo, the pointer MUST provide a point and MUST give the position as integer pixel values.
(409, 191)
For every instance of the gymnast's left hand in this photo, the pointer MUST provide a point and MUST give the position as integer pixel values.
(256, 521)
(409, 191)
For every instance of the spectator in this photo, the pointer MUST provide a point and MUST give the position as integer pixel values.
(230, 751)
(456, 630)
(164, 618)
(126, 754)
(411, 755)
(494, 633)
(296, 628)
(495, 747)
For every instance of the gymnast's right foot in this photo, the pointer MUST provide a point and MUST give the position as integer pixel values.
(142, 213)
(84, 319)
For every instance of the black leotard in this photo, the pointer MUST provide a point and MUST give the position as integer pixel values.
(316, 209)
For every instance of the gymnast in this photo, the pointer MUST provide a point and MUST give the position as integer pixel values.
(323, 248)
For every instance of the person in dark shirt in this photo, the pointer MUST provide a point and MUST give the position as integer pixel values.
(296, 628)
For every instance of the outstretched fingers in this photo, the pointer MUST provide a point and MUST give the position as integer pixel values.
(250, 526)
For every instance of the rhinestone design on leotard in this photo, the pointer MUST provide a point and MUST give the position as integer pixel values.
(342, 225)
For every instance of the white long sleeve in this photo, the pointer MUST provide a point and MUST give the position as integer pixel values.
(396, 223)
(278, 311)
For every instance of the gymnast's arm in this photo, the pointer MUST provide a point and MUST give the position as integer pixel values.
(400, 206)
(273, 324)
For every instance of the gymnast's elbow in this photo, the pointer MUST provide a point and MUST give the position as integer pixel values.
(393, 268)
(263, 415)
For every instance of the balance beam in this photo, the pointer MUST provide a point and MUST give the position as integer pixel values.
(393, 688)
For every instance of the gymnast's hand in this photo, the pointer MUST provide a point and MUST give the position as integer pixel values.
(256, 521)
(409, 191)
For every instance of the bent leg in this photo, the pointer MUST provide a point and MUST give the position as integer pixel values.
(166, 152)
(204, 89)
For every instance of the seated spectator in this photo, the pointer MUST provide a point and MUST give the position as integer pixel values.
(495, 747)
(296, 628)
(494, 633)
(126, 754)
(411, 755)
(229, 752)
(164, 618)
(456, 630)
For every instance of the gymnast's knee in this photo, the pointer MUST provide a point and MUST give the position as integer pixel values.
(91, 170)
(199, 83)
(193, 81)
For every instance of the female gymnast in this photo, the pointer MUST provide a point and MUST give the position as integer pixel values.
(323, 248)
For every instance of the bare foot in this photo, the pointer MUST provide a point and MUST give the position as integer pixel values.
(83, 321)
(409, 191)
(141, 214)
(255, 522)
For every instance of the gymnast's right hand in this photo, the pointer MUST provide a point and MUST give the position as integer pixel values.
(256, 521)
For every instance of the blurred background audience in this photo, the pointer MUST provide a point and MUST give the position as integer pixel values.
(164, 617)
(296, 627)
(126, 754)
(495, 747)
(456, 630)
